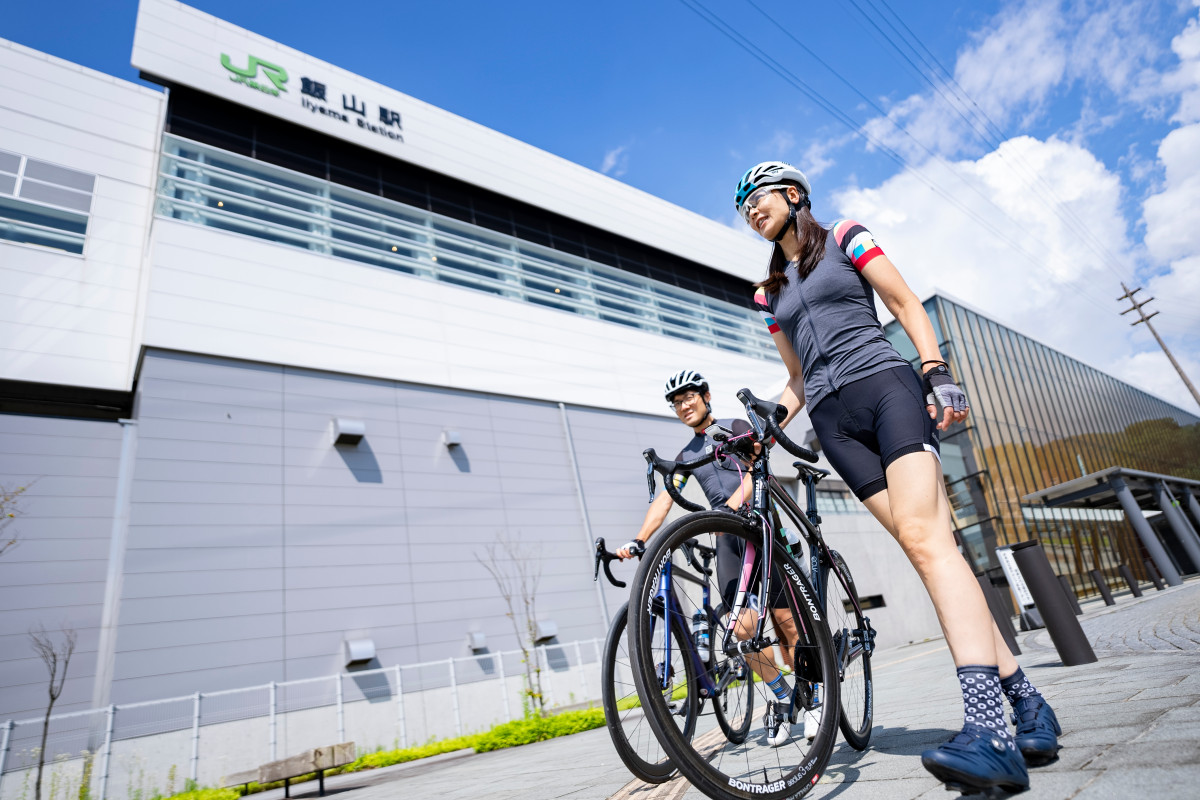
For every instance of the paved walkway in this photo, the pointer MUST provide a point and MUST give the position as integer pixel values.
(1131, 726)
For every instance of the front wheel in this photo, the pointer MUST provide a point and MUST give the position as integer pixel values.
(853, 641)
(764, 764)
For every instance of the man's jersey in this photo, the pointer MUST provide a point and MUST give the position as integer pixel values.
(720, 479)
(829, 316)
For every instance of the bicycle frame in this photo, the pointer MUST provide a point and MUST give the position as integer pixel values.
(665, 594)
(819, 559)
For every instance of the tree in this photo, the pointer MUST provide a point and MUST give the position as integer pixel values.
(9, 509)
(56, 655)
(517, 572)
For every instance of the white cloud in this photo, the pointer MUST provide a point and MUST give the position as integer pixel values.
(1170, 215)
(1186, 80)
(1172, 235)
(616, 161)
(1016, 63)
(1063, 297)
(1151, 372)
(816, 159)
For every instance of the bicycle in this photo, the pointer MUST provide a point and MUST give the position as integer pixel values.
(830, 657)
(722, 681)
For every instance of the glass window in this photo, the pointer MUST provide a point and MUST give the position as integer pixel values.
(235, 193)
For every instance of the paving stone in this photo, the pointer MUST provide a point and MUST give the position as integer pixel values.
(1088, 737)
(1144, 754)
(1179, 783)
(1131, 726)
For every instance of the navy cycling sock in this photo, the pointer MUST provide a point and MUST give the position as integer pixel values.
(983, 703)
(779, 687)
(1017, 687)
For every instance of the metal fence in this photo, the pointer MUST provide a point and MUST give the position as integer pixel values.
(137, 751)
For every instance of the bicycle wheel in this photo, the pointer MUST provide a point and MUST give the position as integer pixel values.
(852, 640)
(752, 768)
(734, 702)
(635, 742)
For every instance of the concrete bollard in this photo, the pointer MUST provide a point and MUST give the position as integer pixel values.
(1064, 629)
(1155, 578)
(1128, 576)
(1070, 593)
(1102, 585)
(1000, 613)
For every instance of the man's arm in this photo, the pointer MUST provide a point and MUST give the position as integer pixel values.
(655, 516)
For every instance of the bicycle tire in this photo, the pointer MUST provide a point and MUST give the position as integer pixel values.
(635, 742)
(734, 706)
(847, 625)
(752, 769)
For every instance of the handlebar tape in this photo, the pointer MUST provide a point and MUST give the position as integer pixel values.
(668, 470)
(771, 415)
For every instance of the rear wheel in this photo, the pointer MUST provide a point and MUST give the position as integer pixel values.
(635, 742)
(852, 641)
(751, 767)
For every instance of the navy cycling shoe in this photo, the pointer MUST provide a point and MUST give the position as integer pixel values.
(978, 761)
(1037, 731)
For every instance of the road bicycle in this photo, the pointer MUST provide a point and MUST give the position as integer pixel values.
(828, 651)
(722, 681)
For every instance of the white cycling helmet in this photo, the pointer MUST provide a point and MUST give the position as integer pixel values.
(684, 380)
(769, 173)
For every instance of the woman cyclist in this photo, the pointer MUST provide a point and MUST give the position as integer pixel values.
(878, 423)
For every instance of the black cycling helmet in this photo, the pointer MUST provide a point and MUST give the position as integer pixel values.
(684, 380)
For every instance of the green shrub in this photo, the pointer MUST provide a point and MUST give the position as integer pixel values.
(207, 794)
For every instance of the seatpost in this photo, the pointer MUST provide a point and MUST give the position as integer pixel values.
(810, 492)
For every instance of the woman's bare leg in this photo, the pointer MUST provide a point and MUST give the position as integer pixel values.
(914, 510)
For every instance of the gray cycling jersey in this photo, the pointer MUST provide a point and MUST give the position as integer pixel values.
(829, 316)
(720, 479)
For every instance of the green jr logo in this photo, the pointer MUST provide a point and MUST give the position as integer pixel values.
(275, 74)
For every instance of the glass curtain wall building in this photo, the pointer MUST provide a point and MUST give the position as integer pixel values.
(1040, 418)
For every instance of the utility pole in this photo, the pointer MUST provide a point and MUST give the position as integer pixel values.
(1144, 317)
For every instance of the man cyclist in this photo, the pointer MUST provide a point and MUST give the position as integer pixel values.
(723, 484)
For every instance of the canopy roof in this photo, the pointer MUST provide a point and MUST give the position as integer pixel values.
(1096, 491)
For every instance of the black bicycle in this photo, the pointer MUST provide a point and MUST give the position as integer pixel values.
(819, 632)
(686, 682)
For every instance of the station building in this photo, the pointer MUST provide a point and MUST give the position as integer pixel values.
(287, 350)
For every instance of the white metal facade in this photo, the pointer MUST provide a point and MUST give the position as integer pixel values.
(233, 485)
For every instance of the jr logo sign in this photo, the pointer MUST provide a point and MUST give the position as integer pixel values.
(275, 74)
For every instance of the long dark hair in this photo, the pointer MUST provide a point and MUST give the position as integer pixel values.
(811, 236)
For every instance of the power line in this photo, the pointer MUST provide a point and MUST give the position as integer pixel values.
(979, 123)
(992, 135)
(835, 111)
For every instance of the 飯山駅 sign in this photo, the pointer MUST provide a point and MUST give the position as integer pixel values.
(314, 98)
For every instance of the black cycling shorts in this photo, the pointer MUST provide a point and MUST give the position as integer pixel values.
(869, 423)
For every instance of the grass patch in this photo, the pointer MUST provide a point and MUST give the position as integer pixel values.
(510, 734)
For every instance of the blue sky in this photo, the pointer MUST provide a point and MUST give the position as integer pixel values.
(1024, 157)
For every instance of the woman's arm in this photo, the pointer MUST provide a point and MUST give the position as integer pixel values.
(889, 284)
(793, 393)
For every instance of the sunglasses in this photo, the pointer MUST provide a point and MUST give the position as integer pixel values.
(757, 196)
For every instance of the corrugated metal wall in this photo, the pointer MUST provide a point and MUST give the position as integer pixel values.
(256, 546)
(56, 572)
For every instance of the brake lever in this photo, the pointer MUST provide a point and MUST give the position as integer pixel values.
(650, 479)
(602, 554)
